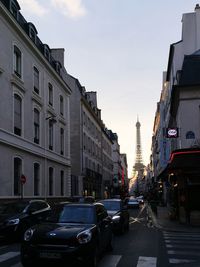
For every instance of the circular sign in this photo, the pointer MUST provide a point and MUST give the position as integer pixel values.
(172, 132)
(23, 179)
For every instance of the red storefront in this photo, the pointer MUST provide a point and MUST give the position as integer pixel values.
(183, 177)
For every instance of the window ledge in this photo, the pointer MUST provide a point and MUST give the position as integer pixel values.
(37, 98)
(18, 82)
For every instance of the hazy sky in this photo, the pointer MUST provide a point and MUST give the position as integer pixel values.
(118, 48)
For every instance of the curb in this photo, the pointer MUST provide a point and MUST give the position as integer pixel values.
(153, 219)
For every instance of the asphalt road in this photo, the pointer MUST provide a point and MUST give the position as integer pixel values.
(142, 246)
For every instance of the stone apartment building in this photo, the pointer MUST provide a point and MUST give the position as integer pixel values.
(176, 140)
(34, 112)
(91, 156)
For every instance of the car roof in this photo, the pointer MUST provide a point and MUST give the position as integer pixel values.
(111, 199)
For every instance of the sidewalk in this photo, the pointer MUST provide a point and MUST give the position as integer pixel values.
(162, 221)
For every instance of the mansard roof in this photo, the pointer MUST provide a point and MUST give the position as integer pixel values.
(190, 70)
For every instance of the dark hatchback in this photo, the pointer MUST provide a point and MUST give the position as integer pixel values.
(73, 233)
(119, 214)
(18, 216)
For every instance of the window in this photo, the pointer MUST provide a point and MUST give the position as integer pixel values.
(47, 51)
(14, 8)
(190, 135)
(61, 141)
(36, 126)
(50, 94)
(17, 115)
(17, 61)
(62, 183)
(36, 178)
(50, 134)
(50, 181)
(17, 175)
(36, 80)
(61, 105)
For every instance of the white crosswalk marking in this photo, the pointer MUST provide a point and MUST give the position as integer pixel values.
(147, 262)
(182, 247)
(176, 261)
(8, 255)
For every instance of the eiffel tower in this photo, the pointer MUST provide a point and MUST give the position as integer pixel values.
(139, 166)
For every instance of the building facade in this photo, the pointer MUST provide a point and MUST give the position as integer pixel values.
(91, 157)
(34, 112)
(176, 128)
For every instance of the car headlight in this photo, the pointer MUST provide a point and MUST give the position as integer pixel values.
(28, 234)
(12, 222)
(84, 237)
(116, 218)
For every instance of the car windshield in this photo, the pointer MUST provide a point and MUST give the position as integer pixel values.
(111, 205)
(71, 214)
(133, 200)
(11, 208)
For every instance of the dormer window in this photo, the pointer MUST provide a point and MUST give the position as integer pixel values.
(14, 8)
(58, 66)
(32, 32)
(47, 52)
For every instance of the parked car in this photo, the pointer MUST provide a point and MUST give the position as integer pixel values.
(18, 216)
(133, 203)
(119, 213)
(72, 233)
(81, 199)
(140, 199)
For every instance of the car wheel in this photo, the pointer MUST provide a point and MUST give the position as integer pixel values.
(92, 261)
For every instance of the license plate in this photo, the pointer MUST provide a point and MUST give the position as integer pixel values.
(50, 255)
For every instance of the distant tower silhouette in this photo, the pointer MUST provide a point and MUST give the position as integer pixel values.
(138, 160)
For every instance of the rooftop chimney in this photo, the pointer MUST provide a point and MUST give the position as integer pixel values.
(197, 7)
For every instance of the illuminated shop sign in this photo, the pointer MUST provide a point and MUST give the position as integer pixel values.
(172, 132)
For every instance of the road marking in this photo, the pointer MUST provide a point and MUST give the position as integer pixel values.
(188, 253)
(175, 261)
(184, 246)
(147, 262)
(189, 242)
(187, 238)
(8, 256)
(110, 261)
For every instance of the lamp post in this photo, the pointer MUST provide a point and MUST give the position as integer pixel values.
(52, 119)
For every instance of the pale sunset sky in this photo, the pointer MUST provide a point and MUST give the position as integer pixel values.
(118, 48)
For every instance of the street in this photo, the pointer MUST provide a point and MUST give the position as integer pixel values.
(143, 246)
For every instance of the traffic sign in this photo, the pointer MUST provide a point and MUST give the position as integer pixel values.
(23, 179)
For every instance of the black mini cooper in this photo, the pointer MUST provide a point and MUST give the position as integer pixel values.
(72, 233)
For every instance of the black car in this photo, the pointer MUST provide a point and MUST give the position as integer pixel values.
(119, 213)
(73, 233)
(18, 216)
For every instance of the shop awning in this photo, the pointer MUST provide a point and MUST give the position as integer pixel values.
(182, 160)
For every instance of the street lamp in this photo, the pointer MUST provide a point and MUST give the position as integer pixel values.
(52, 119)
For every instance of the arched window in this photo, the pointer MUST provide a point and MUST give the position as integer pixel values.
(36, 176)
(36, 80)
(62, 183)
(14, 8)
(36, 126)
(17, 175)
(17, 61)
(190, 135)
(61, 105)
(61, 141)
(17, 114)
(51, 184)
